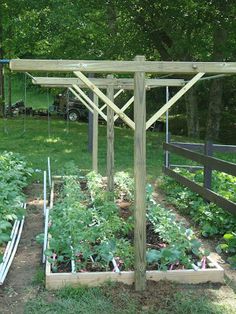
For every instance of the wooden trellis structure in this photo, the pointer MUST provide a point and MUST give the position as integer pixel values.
(139, 67)
(109, 84)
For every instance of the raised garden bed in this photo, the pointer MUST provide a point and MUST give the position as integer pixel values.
(61, 271)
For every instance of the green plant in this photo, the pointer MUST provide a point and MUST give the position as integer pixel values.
(13, 178)
(229, 247)
(211, 219)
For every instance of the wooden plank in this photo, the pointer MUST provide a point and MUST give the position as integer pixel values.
(81, 99)
(105, 99)
(205, 193)
(200, 146)
(207, 173)
(119, 83)
(189, 276)
(173, 100)
(140, 178)
(110, 140)
(89, 101)
(129, 102)
(95, 135)
(214, 163)
(103, 66)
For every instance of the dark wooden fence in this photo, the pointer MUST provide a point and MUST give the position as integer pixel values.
(209, 163)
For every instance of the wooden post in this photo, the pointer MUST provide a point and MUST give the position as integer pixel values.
(90, 122)
(95, 135)
(208, 151)
(140, 178)
(110, 139)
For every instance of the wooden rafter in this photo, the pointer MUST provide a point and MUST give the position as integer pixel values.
(81, 100)
(89, 101)
(97, 66)
(129, 102)
(173, 100)
(118, 83)
(105, 99)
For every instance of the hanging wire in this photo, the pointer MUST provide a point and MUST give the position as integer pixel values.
(49, 118)
(5, 128)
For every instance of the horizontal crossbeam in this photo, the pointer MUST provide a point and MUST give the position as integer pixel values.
(118, 83)
(99, 66)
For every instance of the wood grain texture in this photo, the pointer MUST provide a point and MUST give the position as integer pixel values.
(110, 139)
(95, 135)
(100, 66)
(118, 83)
(140, 178)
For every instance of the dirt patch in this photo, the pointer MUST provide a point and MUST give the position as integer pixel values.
(18, 288)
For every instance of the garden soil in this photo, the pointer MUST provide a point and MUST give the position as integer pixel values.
(21, 284)
(18, 287)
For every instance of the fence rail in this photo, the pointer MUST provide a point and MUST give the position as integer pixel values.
(210, 163)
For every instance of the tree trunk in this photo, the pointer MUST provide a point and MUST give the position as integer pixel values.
(192, 113)
(214, 110)
(216, 89)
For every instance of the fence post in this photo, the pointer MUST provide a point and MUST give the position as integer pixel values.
(208, 151)
(166, 152)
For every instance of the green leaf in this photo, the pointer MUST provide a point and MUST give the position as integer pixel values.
(40, 238)
(228, 236)
(4, 237)
(5, 224)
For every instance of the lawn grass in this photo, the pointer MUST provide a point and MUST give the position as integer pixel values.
(159, 298)
(65, 145)
(35, 96)
(70, 144)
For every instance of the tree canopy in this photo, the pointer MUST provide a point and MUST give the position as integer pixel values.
(193, 30)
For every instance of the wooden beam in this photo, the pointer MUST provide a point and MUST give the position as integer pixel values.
(173, 100)
(129, 102)
(105, 99)
(110, 140)
(119, 83)
(116, 95)
(100, 66)
(81, 100)
(95, 135)
(140, 178)
(89, 101)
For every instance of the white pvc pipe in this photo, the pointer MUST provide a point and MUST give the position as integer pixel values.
(44, 192)
(49, 173)
(45, 233)
(116, 268)
(14, 250)
(9, 247)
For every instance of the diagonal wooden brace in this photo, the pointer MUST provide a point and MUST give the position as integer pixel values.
(116, 95)
(129, 102)
(81, 100)
(89, 101)
(105, 99)
(173, 100)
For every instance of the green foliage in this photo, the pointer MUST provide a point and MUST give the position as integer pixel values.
(211, 219)
(13, 178)
(180, 245)
(84, 229)
(229, 247)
